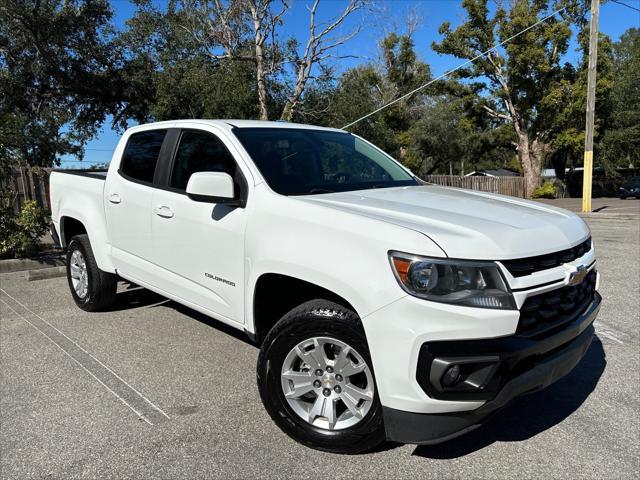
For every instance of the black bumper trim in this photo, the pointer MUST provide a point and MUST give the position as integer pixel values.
(516, 355)
(420, 428)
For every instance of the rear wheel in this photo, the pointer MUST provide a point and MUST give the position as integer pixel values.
(316, 381)
(91, 288)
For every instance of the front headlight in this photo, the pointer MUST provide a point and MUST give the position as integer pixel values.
(461, 282)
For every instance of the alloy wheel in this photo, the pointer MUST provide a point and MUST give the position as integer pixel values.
(327, 383)
(79, 276)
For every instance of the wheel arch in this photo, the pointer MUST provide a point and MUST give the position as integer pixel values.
(69, 228)
(72, 223)
(267, 307)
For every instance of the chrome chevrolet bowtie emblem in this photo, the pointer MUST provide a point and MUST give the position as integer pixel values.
(577, 277)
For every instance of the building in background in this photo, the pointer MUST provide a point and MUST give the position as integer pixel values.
(493, 172)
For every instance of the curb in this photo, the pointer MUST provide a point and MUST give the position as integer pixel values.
(22, 264)
(610, 216)
(45, 273)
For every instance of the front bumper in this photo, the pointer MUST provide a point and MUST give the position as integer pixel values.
(530, 366)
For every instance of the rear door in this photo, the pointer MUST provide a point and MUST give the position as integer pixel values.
(200, 246)
(128, 193)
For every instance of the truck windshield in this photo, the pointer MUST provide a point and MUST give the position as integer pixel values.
(305, 162)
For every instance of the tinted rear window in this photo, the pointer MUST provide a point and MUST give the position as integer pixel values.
(141, 155)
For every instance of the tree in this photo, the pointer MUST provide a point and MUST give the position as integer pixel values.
(518, 78)
(620, 144)
(55, 59)
(366, 87)
(319, 47)
(165, 74)
(248, 31)
(447, 135)
(567, 101)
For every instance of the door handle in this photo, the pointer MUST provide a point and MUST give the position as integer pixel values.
(115, 198)
(163, 211)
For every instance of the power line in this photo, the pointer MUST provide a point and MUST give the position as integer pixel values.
(626, 5)
(449, 72)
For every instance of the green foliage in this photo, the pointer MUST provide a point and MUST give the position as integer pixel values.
(444, 133)
(546, 190)
(168, 75)
(99, 166)
(567, 101)
(520, 81)
(366, 87)
(56, 90)
(19, 237)
(620, 144)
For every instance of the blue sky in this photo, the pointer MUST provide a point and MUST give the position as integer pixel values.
(389, 15)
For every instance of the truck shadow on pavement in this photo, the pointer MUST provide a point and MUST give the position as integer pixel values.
(131, 296)
(531, 414)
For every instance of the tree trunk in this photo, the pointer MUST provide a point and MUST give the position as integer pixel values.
(261, 74)
(262, 83)
(531, 156)
(287, 112)
(304, 70)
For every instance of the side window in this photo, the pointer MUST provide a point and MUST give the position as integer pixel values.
(141, 155)
(200, 152)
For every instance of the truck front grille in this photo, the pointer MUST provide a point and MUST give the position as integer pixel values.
(526, 266)
(548, 312)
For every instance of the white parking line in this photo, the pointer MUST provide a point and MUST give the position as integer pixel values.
(146, 409)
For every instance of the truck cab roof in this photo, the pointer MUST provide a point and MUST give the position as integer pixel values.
(233, 123)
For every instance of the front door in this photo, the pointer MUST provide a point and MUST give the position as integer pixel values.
(200, 245)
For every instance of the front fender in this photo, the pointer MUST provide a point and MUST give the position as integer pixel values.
(342, 252)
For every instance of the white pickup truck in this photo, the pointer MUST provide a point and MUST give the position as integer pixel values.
(384, 307)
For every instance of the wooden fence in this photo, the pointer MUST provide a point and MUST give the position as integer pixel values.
(28, 183)
(513, 186)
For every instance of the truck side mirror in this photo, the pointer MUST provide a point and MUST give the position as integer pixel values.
(212, 187)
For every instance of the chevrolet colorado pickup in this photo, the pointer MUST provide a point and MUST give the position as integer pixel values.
(384, 307)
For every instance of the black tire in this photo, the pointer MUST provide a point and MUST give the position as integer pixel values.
(316, 318)
(101, 286)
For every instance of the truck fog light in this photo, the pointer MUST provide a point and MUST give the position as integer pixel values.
(451, 376)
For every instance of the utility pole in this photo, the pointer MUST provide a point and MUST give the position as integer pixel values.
(591, 107)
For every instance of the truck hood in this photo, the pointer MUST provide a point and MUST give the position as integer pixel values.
(465, 223)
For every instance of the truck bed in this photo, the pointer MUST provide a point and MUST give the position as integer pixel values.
(80, 194)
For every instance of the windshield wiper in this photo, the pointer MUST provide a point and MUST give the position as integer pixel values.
(321, 190)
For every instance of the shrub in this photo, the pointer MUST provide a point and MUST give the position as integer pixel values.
(546, 190)
(20, 237)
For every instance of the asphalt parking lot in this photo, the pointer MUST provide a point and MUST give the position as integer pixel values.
(152, 389)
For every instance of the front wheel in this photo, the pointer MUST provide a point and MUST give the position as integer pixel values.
(316, 381)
